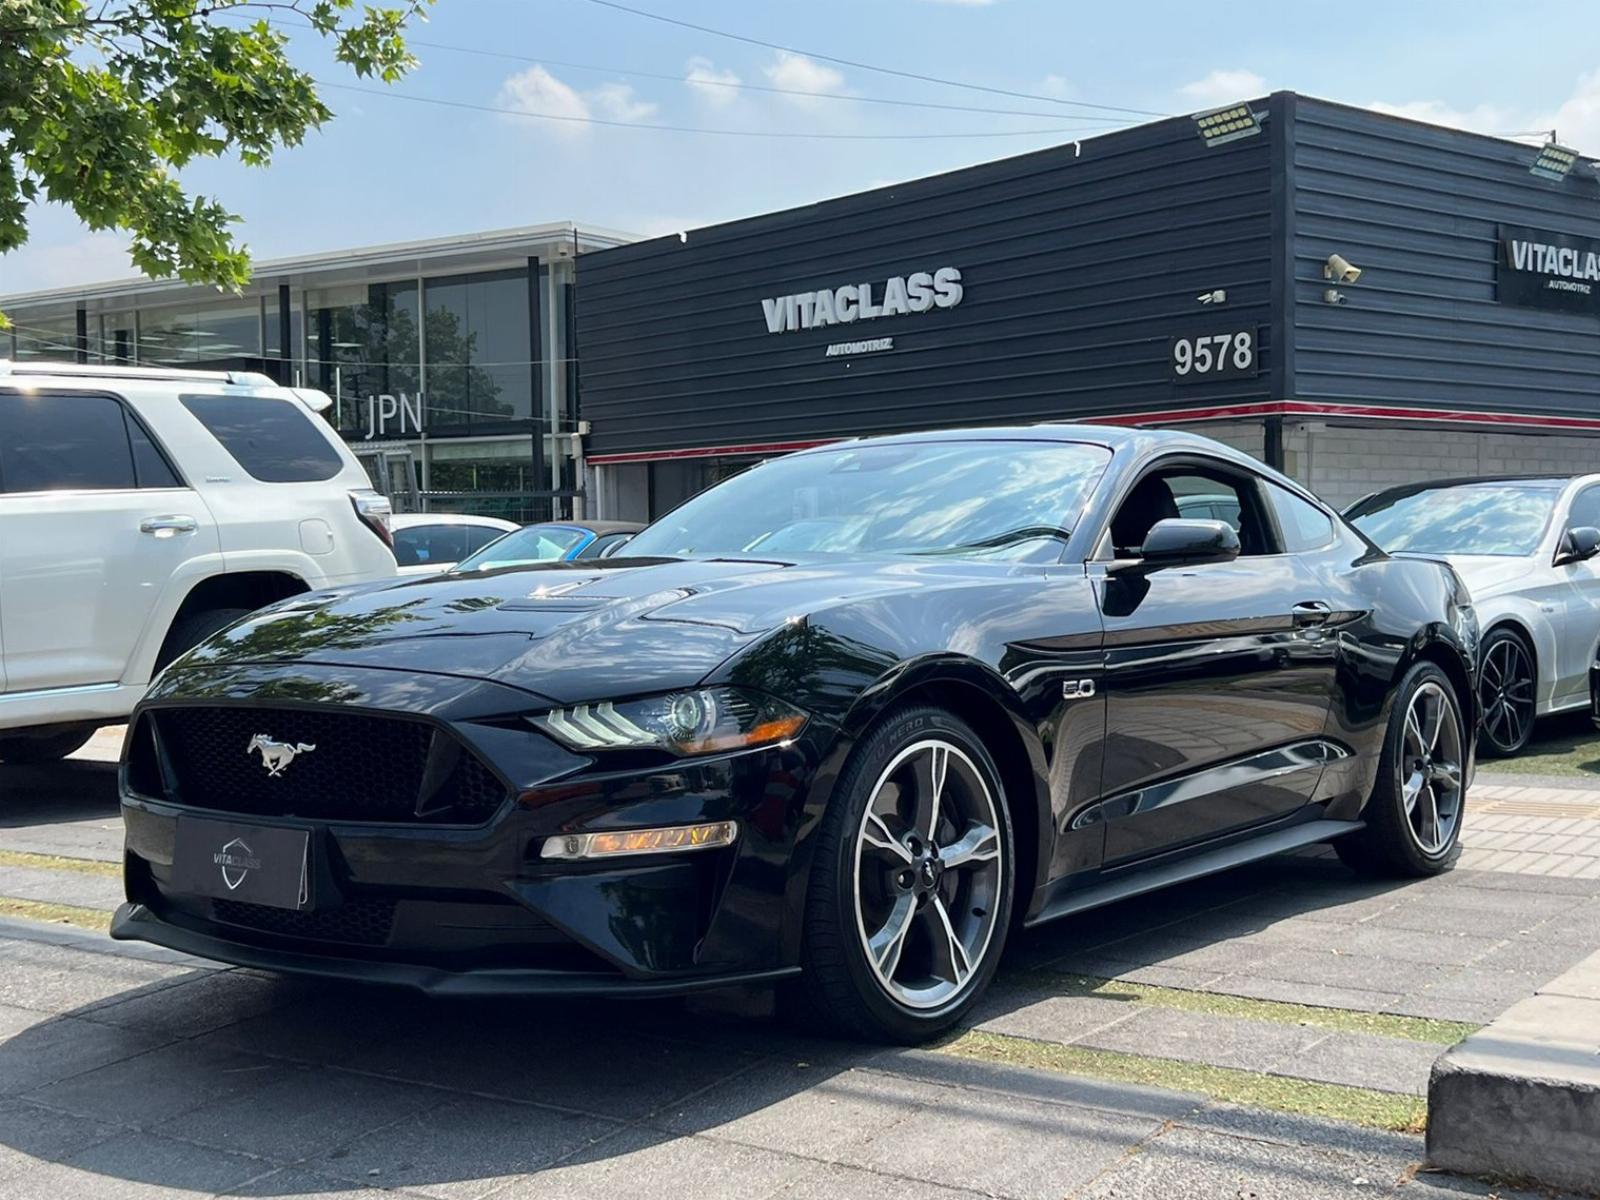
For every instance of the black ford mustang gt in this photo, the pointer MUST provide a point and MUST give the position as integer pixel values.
(839, 722)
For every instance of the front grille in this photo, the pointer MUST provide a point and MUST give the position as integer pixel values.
(363, 767)
(355, 922)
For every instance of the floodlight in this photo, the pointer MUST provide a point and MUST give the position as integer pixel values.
(1554, 162)
(1222, 125)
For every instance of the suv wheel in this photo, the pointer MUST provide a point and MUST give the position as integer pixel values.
(910, 895)
(48, 746)
(1414, 816)
(189, 630)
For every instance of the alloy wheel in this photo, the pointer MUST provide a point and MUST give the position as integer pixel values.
(929, 874)
(1431, 768)
(1505, 692)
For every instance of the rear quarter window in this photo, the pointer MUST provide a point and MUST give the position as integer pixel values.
(273, 440)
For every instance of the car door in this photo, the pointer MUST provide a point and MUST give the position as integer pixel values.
(95, 522)
(1216, 677)
(1577, 606)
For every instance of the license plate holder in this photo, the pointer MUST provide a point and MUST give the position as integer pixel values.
(257, 864)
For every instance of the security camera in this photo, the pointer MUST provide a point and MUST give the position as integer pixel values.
(1219, 296)
(1332, 296)
(1338, 268)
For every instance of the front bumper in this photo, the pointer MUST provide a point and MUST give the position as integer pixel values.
(475, 910)
(135, 923)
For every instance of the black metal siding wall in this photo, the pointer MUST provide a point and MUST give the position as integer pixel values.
(1077, 268)
(1417, 209)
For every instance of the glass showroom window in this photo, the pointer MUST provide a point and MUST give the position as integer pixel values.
(51, 335)
(480, 368)
(112, 337)
(363, 342)
(193, 333)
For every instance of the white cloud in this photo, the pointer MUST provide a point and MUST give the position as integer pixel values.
(713, 84)
(1056, 86)
(797, 73)
(1578, 118)
(617, 102)
(87, 259)
(1223, 87)
(537, 91)
(1484, 118)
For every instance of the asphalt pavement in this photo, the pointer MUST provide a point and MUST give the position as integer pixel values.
(1265, 1033)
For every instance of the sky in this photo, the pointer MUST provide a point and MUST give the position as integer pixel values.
(396, 165)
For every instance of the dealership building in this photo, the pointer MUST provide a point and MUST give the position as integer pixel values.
(1359, 299)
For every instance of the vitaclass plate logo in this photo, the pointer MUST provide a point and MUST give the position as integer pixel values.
(237, 860)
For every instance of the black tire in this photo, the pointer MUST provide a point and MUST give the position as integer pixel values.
(1390, 846)
(189, 630)
(839, 990)
(1507, 688)
(46, 747)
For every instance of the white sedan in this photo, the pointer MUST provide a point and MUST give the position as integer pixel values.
(1526, 547)
(427, 543)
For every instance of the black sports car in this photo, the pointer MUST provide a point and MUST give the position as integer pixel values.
(839, 722)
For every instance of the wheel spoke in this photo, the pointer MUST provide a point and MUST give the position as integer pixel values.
(877, 835)
(1433, 721)
(979, 844)
(1428, 825)
(1410, 788)
(889, 943)
(929, 771)
(1414, 733)
(950, 960)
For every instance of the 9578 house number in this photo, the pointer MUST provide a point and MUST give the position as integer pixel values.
(1221, 355)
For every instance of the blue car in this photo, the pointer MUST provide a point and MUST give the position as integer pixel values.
(551, 541)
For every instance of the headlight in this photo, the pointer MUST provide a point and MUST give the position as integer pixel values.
(704, 721)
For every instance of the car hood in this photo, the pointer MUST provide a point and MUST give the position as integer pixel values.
(1487, 575)
(569, 632)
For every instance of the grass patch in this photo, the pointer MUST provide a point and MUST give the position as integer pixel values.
(57, 862)
(1360, 1106)
(1567, 745)
(55, 914)
(1415, 1029)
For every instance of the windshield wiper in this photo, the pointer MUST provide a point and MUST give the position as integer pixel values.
(1010, 537)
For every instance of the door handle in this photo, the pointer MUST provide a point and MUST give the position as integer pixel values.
(1311, 612)
(168, 526)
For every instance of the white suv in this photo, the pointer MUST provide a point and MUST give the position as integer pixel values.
(142, 510)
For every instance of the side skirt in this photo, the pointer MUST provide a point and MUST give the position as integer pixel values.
(1137, 881)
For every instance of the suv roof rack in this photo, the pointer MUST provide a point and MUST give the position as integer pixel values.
(102, 371)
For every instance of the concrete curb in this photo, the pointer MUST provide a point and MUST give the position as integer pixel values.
(1521, 1097)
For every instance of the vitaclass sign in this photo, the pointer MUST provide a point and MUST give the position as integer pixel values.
(1548, 270)
(919, 292)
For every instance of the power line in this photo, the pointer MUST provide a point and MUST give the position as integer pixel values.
(741, 85)
(862, 66)
(753, 133)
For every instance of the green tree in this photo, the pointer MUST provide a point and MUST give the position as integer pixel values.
(102, 101)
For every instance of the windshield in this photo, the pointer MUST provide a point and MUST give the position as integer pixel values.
(530, 544)
(1005, 499)
(1470, 518)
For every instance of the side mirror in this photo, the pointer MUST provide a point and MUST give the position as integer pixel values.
(1176, 542)
(1578, 544)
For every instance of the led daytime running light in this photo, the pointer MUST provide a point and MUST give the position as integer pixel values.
(670, 839)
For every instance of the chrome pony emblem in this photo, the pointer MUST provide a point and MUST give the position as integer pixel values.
(276, 756)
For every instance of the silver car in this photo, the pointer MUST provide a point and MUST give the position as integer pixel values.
(1526, 548)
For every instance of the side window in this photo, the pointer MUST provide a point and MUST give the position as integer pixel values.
(479, 536)
(1585, 509)
(1303, 526)
(275, 441)
(150, 466)
(606, 546)
(64, 443)
(1194, 495)
(424, 544)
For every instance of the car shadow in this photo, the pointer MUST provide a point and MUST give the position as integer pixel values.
(74, 789)
(387, 1087)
